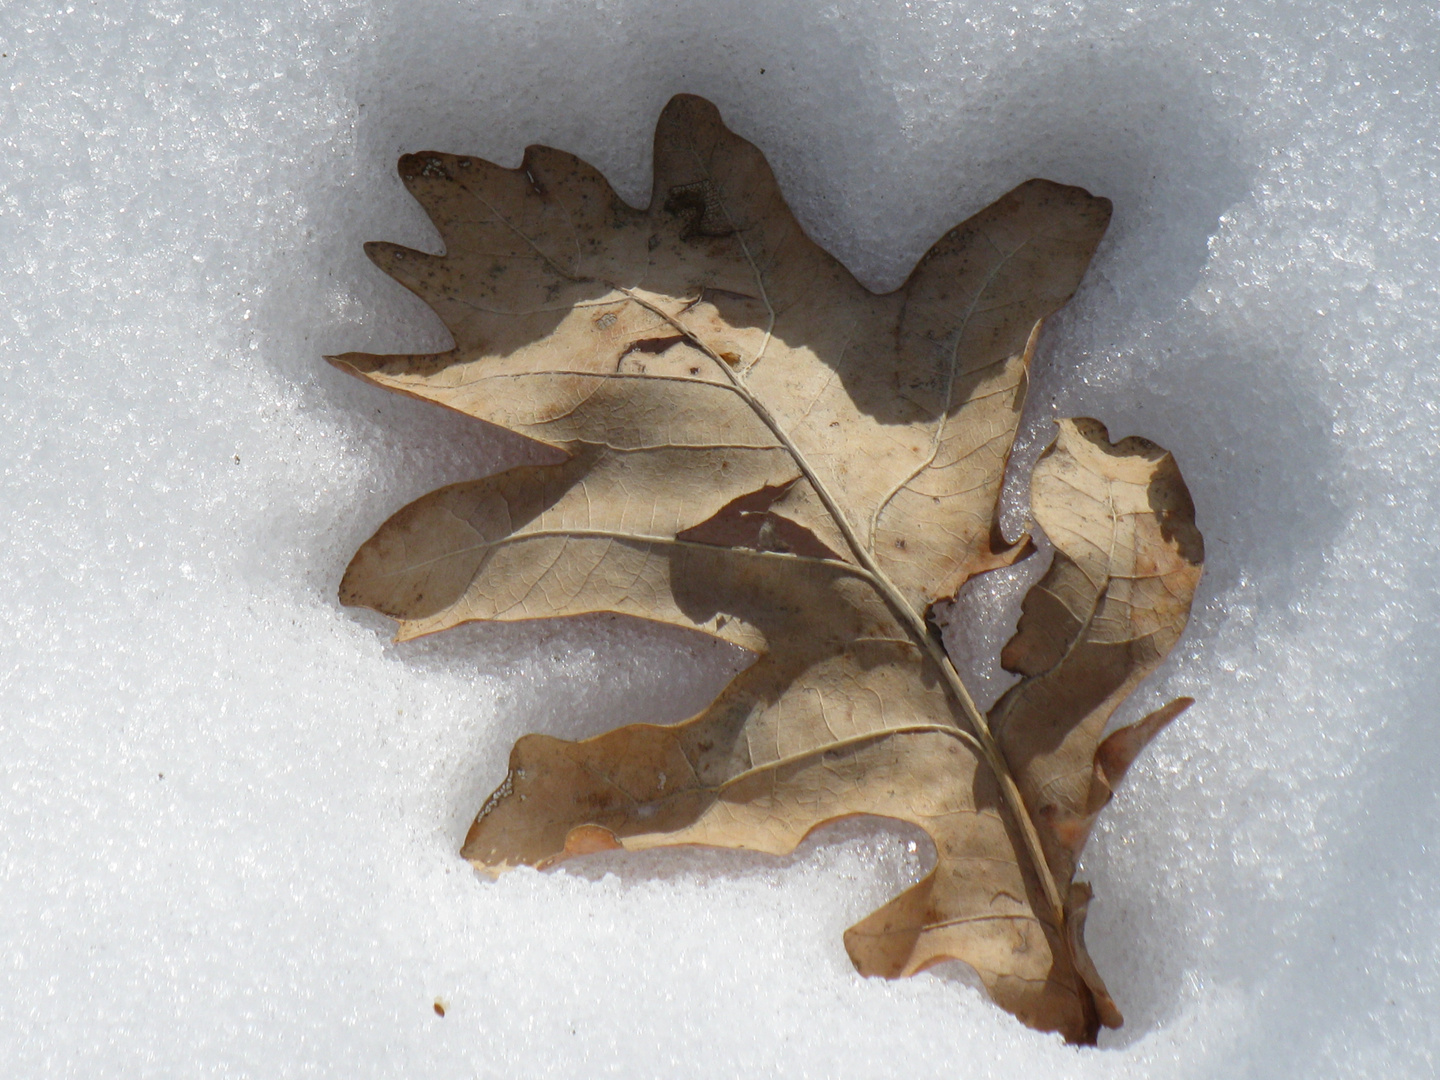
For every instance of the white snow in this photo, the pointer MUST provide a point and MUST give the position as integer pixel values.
(230, 809)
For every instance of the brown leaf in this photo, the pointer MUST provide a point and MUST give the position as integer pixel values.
(1112, 605)
(762, 450)
(580, 320)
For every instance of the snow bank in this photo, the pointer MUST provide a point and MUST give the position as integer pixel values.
(231, 808)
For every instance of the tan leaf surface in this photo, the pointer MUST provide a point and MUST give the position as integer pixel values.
(842, 714)
(762, 450)
(1110, 608)
(579, 319)
(1113, 603)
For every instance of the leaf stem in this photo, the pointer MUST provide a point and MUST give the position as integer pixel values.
(915, 623)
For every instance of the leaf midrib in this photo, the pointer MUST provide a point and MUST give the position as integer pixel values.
(913, 620)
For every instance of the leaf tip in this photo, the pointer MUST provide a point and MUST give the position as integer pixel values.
(690, 106)
(1077, 908)
(355, 363)
(1121, 747)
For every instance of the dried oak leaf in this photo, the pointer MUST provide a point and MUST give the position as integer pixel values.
(760, 449)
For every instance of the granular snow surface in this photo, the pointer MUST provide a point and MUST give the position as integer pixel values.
(231, 809)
